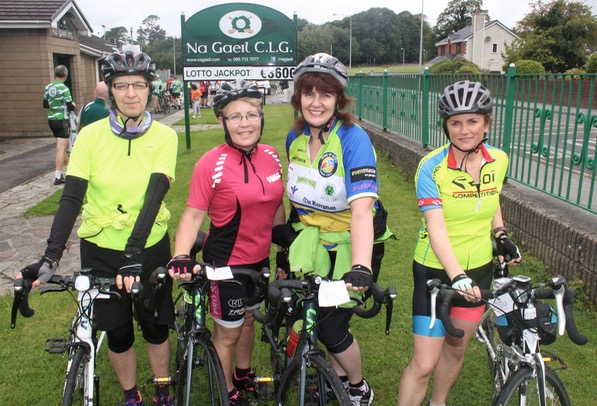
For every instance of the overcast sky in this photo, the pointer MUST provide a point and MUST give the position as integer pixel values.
(130, 13)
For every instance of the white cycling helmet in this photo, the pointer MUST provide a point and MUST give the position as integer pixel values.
(323, 63)
(464, 97)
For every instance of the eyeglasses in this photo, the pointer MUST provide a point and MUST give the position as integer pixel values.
(237, 118)
(125, 86)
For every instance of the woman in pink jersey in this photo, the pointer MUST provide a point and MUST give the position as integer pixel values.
(239, 185)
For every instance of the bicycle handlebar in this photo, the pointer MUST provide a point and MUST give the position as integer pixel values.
(22, 288)
(280, 292)
(260, 280)
(556, 288)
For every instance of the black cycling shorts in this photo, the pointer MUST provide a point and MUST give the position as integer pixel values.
(113, 313)
(225, 297)
(461, 309)
(60, 128)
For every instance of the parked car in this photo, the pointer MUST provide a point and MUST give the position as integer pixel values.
(264, 86)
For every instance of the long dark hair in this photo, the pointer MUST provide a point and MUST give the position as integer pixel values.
(323, 83)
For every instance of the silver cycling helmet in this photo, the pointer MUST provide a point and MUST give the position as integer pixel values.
(229, 91)
(323, 63)
(464, 97)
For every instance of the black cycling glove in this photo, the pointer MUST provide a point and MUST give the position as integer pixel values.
(282, 261)
(182, 264)
(131, 264)
(506, 248)
(41, 270)
(359, 276)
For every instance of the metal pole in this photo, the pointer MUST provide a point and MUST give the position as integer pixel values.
(421, 39)
(350, 48)
(174, 53)
(402, 57)
(349, 40)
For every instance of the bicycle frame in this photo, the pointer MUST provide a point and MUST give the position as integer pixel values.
(194, 324)
(84, 335)
(518, 301)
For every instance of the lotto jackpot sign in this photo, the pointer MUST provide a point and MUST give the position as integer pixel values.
(239, 41)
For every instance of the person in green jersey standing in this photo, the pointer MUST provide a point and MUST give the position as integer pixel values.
(59, 102)
(176, 89)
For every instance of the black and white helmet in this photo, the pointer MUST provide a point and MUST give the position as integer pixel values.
(127, 63)
(464, 97)
(229, 91)
(323, 63)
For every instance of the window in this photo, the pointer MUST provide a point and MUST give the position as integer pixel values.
(494, 48)
(458, 48)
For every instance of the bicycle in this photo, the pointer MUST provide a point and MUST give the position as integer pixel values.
(81, 384)
(521, 376)
(305, 377)
(199, 377)
(163, 103)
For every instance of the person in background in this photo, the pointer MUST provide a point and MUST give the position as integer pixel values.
(332, 187)
(196, 100)
(204, 87)
(96, 109)
(458, 189)
(176, 90)
(239, 185)
(119, 174)
(59, 102)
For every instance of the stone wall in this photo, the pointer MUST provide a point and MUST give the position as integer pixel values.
(563, 236)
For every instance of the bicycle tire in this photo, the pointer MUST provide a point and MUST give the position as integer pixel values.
(488, 326)
(523, 383)
(167, 108)
(321, 378)
(207, 380)
(74, 386)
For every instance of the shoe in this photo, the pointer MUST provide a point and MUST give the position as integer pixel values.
(361, 398)
(236, 399)
(163, 400)
(194, 117)
(134, 402)
(246, 383)
(59, 181)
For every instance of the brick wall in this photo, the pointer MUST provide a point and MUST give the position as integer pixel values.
(27, 67)
(564, 237)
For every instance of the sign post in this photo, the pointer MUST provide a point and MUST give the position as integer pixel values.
(238, 41)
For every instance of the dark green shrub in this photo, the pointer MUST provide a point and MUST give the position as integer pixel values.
(526, 66)
(456, 65)
(591, 65)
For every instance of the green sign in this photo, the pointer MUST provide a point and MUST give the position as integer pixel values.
(239, 41)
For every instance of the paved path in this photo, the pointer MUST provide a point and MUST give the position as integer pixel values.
(23, 241)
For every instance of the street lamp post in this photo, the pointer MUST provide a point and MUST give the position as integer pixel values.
(402, 57)
(349, 40)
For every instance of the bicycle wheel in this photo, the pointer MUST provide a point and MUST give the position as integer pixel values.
(322, 387)
(76, 379)
(521, 389)
(199, 376)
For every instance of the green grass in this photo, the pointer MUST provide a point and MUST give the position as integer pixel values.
(367, 69)
(31, 376)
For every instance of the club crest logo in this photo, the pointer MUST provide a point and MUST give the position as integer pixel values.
(240, 24)
(328, 164)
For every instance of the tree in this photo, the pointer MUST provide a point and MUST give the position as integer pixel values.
(376, 31)
(150, 30)
(118, 36)
(556, 34)
(457, 15)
